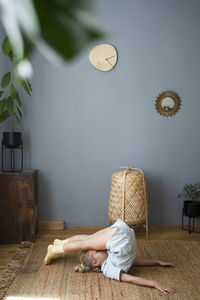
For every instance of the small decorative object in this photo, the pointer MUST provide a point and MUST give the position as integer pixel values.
(128, 197)
(191, 204)
(10, 106)
(103, 57)
(168, 103)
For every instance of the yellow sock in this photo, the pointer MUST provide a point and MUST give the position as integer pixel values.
(58, 242)
(52, 251)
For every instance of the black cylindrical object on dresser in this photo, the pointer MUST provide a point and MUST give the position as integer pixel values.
(12, 141)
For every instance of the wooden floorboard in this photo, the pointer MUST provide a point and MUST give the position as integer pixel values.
(47, 236)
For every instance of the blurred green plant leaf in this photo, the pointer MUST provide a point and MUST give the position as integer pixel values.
(60, 28)
(19, 103)
(17, 119)
(9, 105)
(5, 80)
(2, 105)
(4, 116)
(19, 112)
(26, 87)
(6, 47)
(13, 91)
(29, 85)
(20, 22)
(11, 56)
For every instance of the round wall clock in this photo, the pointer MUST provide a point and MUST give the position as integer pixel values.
(103, 57)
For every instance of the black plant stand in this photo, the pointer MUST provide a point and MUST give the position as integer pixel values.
(12, 157)
(191, 210)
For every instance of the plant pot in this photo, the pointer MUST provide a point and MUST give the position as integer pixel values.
(191, 208)
(12, 139)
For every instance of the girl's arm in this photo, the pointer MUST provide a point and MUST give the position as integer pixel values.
(145, 282)
(151, 262)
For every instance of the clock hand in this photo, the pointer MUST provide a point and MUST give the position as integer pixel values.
(110, 57)
(109, 62)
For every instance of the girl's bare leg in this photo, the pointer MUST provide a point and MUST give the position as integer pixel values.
(58, 242)
(96, 241)
(101, 231)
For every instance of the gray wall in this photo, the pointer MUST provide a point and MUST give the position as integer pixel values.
(80, 123)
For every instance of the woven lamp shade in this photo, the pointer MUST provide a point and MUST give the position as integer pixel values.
(128, 197)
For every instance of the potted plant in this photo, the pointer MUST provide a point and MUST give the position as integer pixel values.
(191, 196)
(10, 102)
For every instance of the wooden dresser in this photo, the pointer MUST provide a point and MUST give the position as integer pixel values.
(18, 206)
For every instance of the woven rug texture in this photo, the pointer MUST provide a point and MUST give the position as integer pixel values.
(32, 278)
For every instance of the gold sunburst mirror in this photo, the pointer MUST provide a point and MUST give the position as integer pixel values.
(168, 103)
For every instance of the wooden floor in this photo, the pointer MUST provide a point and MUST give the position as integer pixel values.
(47, 236)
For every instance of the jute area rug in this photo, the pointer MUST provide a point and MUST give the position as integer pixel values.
(27, 277)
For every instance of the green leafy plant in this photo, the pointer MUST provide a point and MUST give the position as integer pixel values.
(10, 102)
(190, 191)
(59, 28)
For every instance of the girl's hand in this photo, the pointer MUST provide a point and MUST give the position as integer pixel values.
(165, 264)
(164, 288)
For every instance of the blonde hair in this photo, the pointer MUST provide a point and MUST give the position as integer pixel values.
(86, 264)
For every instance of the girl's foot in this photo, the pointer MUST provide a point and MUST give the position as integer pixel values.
(52, 251)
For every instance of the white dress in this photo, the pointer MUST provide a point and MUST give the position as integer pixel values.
(121, 249)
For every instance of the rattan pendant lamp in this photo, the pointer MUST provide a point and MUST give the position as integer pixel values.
(128, 198)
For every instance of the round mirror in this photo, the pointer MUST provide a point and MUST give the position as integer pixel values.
(167, 103)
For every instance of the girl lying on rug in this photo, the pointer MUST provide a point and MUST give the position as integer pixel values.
(111, 250)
